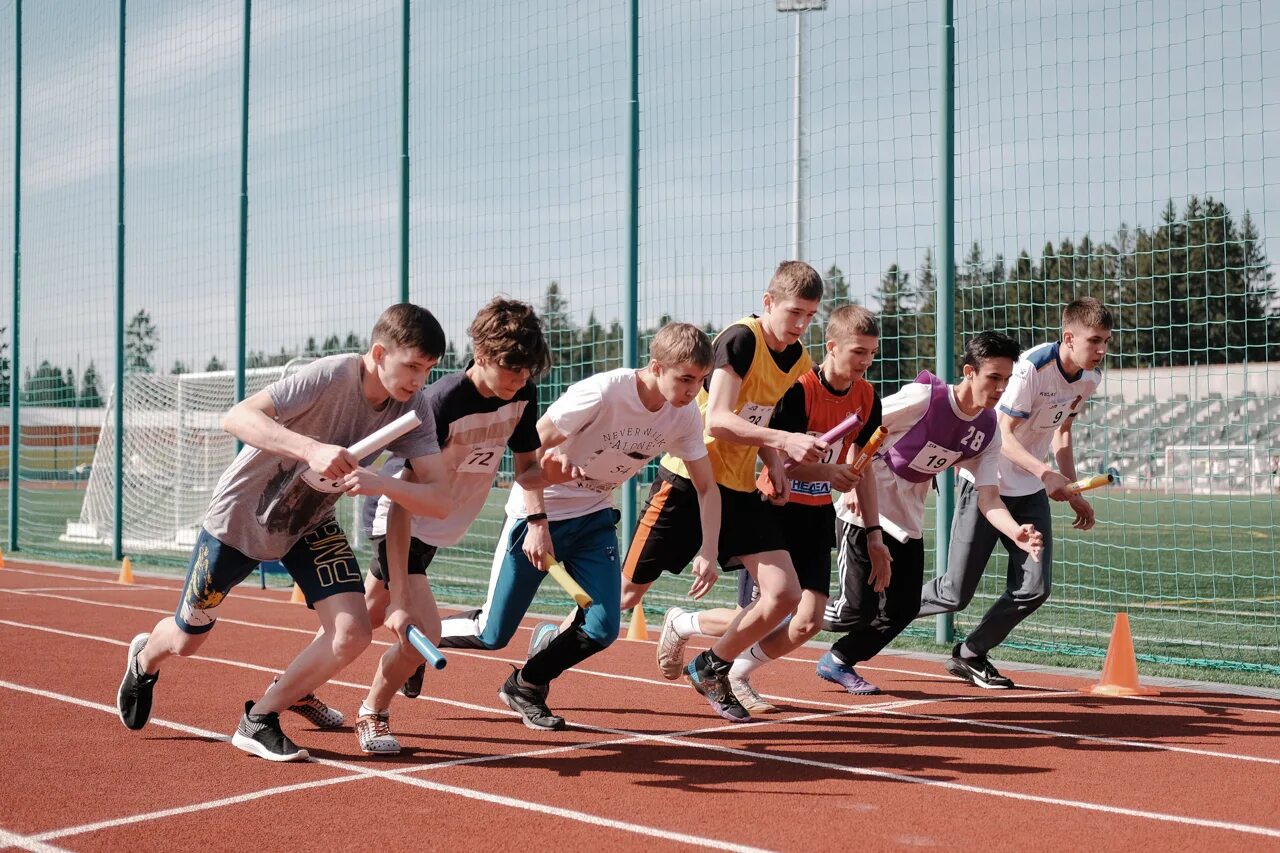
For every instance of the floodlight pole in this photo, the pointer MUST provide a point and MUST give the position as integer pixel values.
(798, 164)
(799, 158)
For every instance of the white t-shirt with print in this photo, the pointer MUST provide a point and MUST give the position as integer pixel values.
(611, 436)
(902, 502)
(1042, 397)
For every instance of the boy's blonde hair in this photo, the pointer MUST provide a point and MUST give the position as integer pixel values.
(849, 320)
(680, 343)
(795, 279)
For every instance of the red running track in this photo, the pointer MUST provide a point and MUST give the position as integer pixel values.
(932, 763)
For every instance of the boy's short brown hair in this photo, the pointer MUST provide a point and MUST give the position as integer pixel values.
(680, 343)
(509, 333)
(405, 325)
(849, 320)
(1088, 312)
(795, 279)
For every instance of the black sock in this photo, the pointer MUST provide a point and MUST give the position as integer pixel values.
(718, 664)
(568, 649)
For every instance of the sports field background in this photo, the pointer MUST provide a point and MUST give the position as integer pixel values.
(283, 178)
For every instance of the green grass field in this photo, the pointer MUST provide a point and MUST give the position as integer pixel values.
(1199, 577)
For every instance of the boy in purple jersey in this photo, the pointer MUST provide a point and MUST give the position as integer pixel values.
(1050, 385)
(932, 426)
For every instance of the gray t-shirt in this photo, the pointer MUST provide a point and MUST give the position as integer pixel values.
(261, 506)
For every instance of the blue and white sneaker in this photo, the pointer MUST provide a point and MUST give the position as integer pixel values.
(832, 669)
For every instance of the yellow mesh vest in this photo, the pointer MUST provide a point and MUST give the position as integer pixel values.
(763, 386)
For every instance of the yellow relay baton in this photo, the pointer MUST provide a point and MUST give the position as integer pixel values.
(1094, 482)
(568, 584)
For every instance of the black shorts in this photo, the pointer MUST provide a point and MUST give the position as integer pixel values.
(669, 531)
(810, 532)
(420, 556)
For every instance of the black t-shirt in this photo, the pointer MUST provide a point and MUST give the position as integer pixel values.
(455, 397)
(736, 347)
(791, 415)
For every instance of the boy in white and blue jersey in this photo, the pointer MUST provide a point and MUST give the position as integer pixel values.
(1050, 385)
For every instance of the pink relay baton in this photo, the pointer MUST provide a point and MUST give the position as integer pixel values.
(831, 436)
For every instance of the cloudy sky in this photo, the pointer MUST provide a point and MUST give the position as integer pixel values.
(1070, 121)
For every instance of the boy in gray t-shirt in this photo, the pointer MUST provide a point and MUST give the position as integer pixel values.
(262, 509)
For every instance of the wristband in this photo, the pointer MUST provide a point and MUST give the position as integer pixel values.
(873, 527)
(536, 516)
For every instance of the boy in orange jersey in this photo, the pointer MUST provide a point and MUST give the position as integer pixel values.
(821, 399)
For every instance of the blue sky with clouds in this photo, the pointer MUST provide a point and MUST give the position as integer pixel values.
(1071, 120)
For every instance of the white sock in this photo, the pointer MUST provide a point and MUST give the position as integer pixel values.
(366, 711)
(967, 653)
(749, 661)
(686, 625)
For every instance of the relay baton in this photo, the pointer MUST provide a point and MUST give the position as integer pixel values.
(568, 584)
(374, 441)
(863, 459)
(1096, 481)
(426, 648)
(831, 436)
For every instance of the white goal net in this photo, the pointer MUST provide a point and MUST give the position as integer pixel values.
(1217, 469)
(174, 452)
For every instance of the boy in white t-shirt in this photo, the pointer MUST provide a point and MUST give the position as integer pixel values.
(1050, 385)
(604, 430)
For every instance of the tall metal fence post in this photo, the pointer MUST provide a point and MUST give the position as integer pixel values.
(631, 326)
(404, 157)
(944, 326)
(117, 533)
(15, 322)
(242, 276)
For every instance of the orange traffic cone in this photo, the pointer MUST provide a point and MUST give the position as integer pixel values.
(1120, 672)
(297, 597)
(126, 571)
(637, 630)
(1, 559)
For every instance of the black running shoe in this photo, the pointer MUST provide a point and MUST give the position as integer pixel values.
(530, 703)
(714, 685)
(133, 700)
(260, 735)
(978, 671)
(413, 687)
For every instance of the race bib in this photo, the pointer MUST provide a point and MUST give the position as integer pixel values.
(481, 460)
(756, 414)
(613, 466)
(1052, 417)
(933, 458)
(833, 451)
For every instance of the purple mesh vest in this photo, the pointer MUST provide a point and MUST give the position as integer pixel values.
(940, 438)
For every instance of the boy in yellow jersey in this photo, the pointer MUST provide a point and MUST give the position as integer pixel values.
(755, 361)
(822, 399)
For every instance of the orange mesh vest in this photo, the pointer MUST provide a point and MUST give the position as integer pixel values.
(823, 411)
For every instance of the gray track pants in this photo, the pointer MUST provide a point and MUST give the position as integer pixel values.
(973, 540)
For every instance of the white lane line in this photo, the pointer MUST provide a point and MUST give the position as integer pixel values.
(358, 772)
(25, 842)
(682, 739)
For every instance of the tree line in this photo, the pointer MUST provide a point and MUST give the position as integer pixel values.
(1194, 289)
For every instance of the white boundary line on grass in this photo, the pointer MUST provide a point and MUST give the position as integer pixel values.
(682, 739)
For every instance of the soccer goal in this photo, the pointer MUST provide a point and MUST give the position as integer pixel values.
(1217, 469)
(174, 452)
